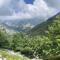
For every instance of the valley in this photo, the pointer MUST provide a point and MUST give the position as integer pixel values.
(42, 41)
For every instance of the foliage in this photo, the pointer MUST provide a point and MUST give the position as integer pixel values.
(5, 54)
(43, 41)
(4, 43)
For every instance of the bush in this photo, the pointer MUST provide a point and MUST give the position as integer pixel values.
(4, 43)
(27, 51)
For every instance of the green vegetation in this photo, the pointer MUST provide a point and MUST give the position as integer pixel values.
(43, 41)
(8, 56)
(48, 27)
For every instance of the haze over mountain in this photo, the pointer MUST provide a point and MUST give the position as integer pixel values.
(20, 25)
(16, 13)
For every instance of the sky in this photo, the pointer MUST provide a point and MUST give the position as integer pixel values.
(29, 1)
(28, 9)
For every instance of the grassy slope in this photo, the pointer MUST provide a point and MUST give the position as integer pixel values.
(8, 56)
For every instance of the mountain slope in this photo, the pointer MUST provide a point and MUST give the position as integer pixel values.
(20, 25)
(52, 25)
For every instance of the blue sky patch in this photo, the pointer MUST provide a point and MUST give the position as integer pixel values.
(29, 1)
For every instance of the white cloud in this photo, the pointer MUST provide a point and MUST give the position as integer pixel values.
(54, 3)
(28, 25)
(4, 2)
(39, 9)
(1, 2)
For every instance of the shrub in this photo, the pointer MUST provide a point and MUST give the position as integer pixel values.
(27, 51)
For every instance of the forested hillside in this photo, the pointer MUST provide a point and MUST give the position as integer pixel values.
(42, 42)
(52, 25)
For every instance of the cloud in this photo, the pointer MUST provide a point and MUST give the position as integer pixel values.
(54, 3)
(18, 9)
(28, 25)
(4, 3)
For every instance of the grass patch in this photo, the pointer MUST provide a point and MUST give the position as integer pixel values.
(8, 56)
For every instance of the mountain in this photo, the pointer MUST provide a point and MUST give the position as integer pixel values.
(50, 26)
(20, 25)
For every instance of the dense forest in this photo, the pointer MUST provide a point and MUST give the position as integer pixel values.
(43, 41)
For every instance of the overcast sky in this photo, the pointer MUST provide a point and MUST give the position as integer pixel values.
(28, 9)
